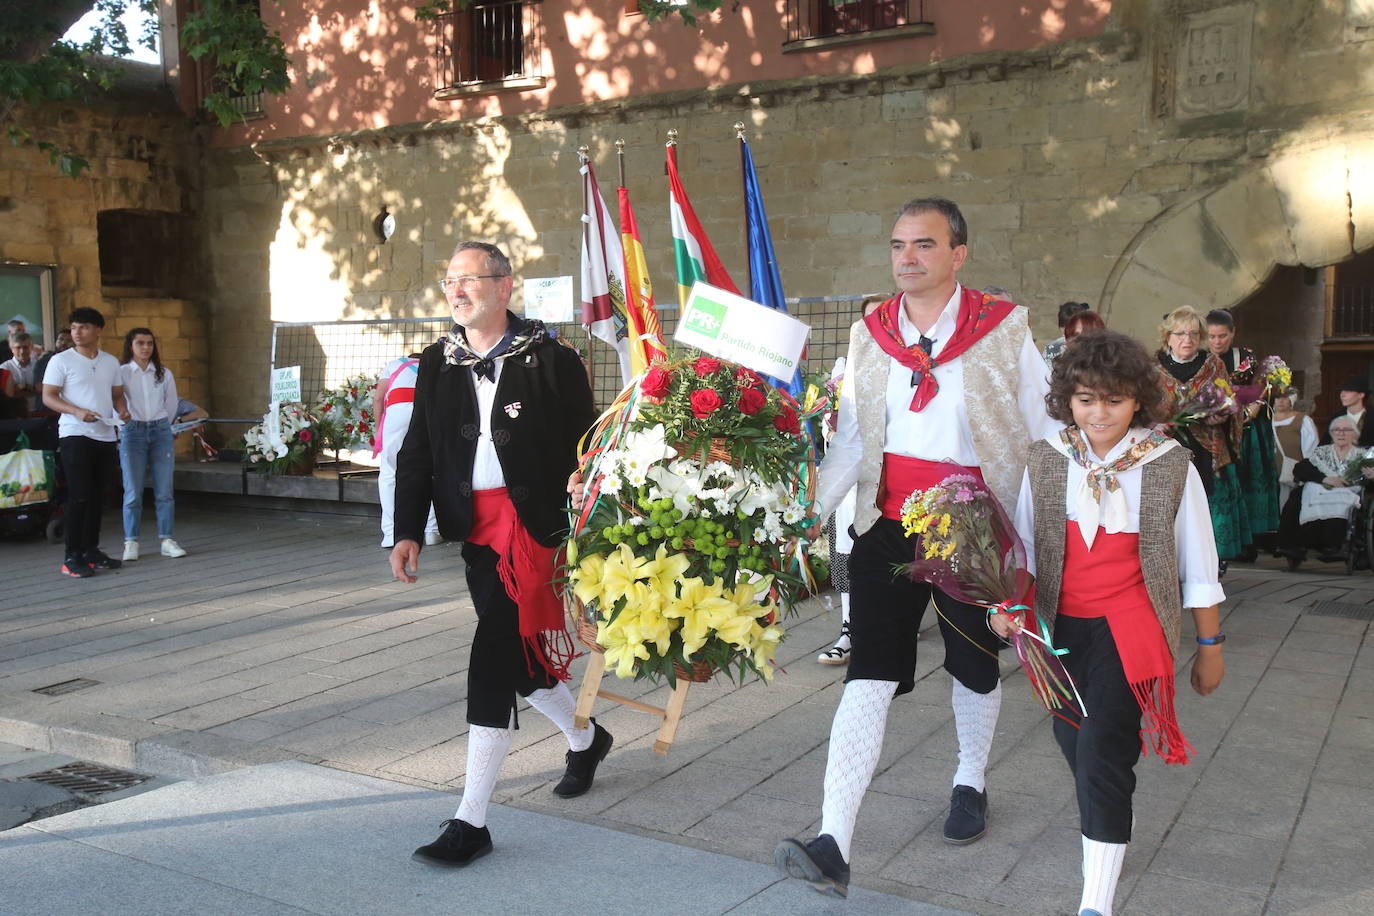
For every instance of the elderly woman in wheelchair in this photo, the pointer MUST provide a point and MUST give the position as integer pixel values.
(1330, 494)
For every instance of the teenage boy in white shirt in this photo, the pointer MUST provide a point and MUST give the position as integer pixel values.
(82, 384)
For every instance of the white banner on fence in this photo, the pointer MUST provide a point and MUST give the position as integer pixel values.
(550, 299)
(742, 331)
(286, 384)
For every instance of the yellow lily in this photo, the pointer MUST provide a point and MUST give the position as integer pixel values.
(664, 571)
(587, 578)
(620, 572)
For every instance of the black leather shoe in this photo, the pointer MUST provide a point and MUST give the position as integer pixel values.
(98, 560)
(577, 778)
(459, 844)
(968, 816)
(817, 862)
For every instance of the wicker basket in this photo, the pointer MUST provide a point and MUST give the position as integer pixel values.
(699, 673)
(719, 451)
(586, 631)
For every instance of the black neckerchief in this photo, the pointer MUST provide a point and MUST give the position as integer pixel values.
(521, 335)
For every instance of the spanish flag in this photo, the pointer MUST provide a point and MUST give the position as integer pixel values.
(696, 259)
(646, 335)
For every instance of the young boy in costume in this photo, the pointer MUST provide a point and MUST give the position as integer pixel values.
(1117, 529)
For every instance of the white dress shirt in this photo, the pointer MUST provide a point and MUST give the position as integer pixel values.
(939, 432)
(486, 465)
(147, 398)
(1194, 543)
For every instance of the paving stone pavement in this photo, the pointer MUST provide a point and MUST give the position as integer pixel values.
(281, 637)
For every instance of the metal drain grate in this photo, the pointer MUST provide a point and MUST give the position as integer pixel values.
(89, 778)
(72, 686)
(1340, 609)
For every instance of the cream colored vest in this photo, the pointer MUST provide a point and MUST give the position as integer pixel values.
(999, 432)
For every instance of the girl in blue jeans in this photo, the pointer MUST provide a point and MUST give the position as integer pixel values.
(146, 439)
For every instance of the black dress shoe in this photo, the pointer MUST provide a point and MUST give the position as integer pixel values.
(459, 844)
(817, 862)
(968, 816)
(577, 778)
(98, 560)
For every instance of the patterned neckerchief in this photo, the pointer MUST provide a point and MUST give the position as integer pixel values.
(521, 335)
(1103, 476)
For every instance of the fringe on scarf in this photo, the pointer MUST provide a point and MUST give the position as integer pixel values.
(546, 642)
(1159, 721)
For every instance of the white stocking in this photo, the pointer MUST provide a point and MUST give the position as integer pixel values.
(487, 749)
(844, 607)
(975, 721)
(856, 741)
(558, 704)
(1101, 869)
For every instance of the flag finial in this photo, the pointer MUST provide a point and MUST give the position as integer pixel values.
(672, 136)
(584, 153)
(739, 130)
(620, 145)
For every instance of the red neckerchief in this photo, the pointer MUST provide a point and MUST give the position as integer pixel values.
(979, 313)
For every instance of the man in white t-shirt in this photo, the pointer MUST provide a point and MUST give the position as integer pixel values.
(20, 366)
(82, 384)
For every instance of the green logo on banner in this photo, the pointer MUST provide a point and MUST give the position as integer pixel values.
(706, 318)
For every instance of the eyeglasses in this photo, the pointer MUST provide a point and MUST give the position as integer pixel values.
(449, 283)
(1188, 335)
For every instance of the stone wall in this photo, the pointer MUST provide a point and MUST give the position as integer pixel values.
(1176, 158)
(139, 148)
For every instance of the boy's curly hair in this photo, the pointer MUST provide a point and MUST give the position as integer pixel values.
(1111, 363)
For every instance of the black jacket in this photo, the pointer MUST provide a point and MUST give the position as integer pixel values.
(537, 447)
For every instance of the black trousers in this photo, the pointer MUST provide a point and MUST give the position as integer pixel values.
(1102, 751)
(885, 611)
(87, 463)
(498, 670)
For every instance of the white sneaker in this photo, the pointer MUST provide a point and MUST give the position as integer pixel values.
(170, 548)
(432, 538)
(130, 551)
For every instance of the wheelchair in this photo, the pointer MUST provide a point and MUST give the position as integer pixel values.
(1357, 547)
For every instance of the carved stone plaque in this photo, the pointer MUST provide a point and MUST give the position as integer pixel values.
(1213, 62)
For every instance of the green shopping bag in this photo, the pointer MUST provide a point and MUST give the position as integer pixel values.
(26, 475)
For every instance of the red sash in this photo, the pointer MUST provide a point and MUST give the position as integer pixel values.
(527, 569)
(903, 475)
(979, 313)
(394, 396)
(1107, 581)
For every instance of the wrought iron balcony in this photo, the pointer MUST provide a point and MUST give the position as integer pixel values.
(819, 23)
(488, 45)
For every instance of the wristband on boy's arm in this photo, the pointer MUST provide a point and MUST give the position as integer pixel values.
(1211, 640)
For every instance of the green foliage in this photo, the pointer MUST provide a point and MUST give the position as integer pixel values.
(245, 57)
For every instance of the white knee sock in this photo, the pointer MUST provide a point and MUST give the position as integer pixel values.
(844, 607)
(856, 741)
(487, 749)
(558, 704)
(1101, 869)
(975, 721)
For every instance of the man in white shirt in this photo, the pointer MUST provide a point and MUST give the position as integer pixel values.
(910, 407)
(20, 366)
(82, 384)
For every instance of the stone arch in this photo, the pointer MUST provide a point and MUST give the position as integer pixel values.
(1311, 207)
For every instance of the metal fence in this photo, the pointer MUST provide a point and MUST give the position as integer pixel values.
(329, 352)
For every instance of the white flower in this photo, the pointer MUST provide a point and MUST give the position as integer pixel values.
(793, 514)
(646, 447)
(610, 484)
(679, 488)
(635, 476)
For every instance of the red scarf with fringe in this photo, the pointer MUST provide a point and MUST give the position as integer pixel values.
(978, 314)
(527, 571)
(1107, 581)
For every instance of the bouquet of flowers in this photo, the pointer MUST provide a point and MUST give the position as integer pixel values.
(1273, 375)
(967, 547)
(1354, 468)
(345, 413)
(688, 549)
(288, 448)
(1216, 398)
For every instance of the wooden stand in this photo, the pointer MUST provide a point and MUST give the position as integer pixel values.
(591, 689)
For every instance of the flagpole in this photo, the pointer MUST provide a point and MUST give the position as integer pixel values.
(744, 196)
(620, 159)
(584, 156)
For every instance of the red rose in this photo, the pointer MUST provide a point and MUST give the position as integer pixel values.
(656, 382)
(745, 378)
(705, 402)
(705, 366)
(305, 435)
(751, 400)
(327, 408)
(786, 421)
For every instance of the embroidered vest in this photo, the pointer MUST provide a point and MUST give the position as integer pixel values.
(1161, 493)
(998, 430)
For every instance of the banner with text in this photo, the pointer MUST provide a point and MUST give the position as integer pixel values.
(735, 328)
(286, 384)
(550, 299)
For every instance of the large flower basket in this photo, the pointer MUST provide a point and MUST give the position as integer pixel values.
(290, 446)
(689, 548)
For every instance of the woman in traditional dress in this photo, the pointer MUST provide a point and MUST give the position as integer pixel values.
(1332, 485)
(1255, 462)
(1295, 436)
(1187, 371)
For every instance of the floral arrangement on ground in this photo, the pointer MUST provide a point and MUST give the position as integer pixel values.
(345, 413)
(289, 448)
(690, 545)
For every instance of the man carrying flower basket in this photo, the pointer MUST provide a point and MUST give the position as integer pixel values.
(911, 403)
(499, 408)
